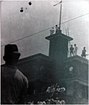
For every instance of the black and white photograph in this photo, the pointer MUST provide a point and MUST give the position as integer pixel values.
(44, 52)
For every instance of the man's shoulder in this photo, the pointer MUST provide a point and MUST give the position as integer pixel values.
(19, 73)
(20, 76)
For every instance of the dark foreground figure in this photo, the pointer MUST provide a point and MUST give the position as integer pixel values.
(13, 82)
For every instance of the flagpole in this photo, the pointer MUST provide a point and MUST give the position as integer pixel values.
(60, 15)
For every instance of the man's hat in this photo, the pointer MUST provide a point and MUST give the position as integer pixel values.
(11, 49)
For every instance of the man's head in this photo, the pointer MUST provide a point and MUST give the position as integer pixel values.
(11, 54)
(56, 25)
(84, 48)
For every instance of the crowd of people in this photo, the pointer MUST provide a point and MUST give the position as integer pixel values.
(52, 96)
(74, 49)
(48, 101)
(55, 29)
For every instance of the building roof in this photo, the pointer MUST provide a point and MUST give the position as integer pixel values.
(59, 35)
(35, 57)
(77, 58)
(76, 80)
(81, 82)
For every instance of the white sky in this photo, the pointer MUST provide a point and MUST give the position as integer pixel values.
(39, 16)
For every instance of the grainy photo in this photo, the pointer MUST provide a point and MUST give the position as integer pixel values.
(44, 51)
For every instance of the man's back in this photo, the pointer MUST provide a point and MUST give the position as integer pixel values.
(13, 85)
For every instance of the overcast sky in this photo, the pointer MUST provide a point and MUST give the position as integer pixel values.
(40, 16)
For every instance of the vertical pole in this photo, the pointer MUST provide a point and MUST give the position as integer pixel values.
(60, 15)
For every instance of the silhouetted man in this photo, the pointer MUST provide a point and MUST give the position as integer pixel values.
(52, 31)
(57, 29)
(71, 50)
(75, 49)
(84, 52)
(13, 82)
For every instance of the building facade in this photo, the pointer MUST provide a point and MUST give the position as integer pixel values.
(70, 72)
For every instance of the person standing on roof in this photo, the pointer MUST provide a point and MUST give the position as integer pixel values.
(75, 49)
(57, 29)
(52, 31)
(71, 50)
(84, 52)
